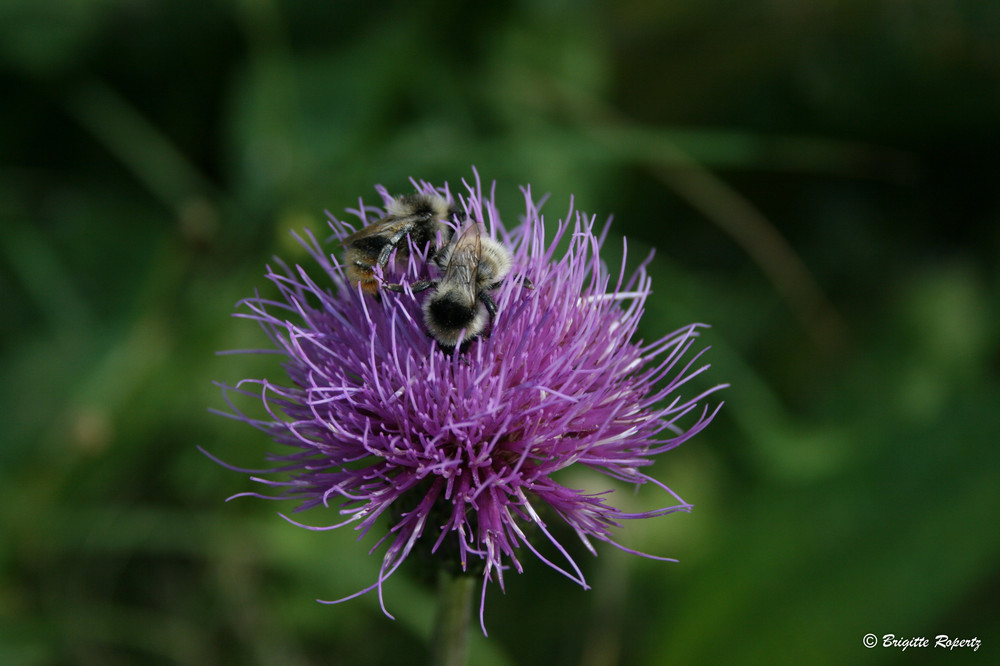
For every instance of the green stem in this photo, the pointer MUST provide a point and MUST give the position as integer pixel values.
(451, 626)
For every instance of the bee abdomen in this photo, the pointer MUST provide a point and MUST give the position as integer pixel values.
(451, 312)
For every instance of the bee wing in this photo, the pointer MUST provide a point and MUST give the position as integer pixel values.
(384, 227)
(462, 268)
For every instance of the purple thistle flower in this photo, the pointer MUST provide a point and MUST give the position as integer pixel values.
(458, 449)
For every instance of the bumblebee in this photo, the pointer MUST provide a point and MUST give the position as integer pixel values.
(420, 217)
(461, 307)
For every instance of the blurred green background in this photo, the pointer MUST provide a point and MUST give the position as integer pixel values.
(820, 181)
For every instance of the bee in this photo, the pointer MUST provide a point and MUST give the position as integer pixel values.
(419, 216)
(461, 307)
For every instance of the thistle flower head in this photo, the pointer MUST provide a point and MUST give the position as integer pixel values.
(457, 449)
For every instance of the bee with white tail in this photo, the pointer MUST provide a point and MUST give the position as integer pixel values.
(461, 307)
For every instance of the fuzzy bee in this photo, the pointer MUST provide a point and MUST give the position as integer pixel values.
(461, 307)
(420, 217)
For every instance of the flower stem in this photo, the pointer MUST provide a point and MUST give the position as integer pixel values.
(451, 626)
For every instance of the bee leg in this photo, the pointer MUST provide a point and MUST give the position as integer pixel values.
(392, 243)
(525, 280)
(386, 252)
(416, 287)
(491, 308)
(528, 284)
(423, 285)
